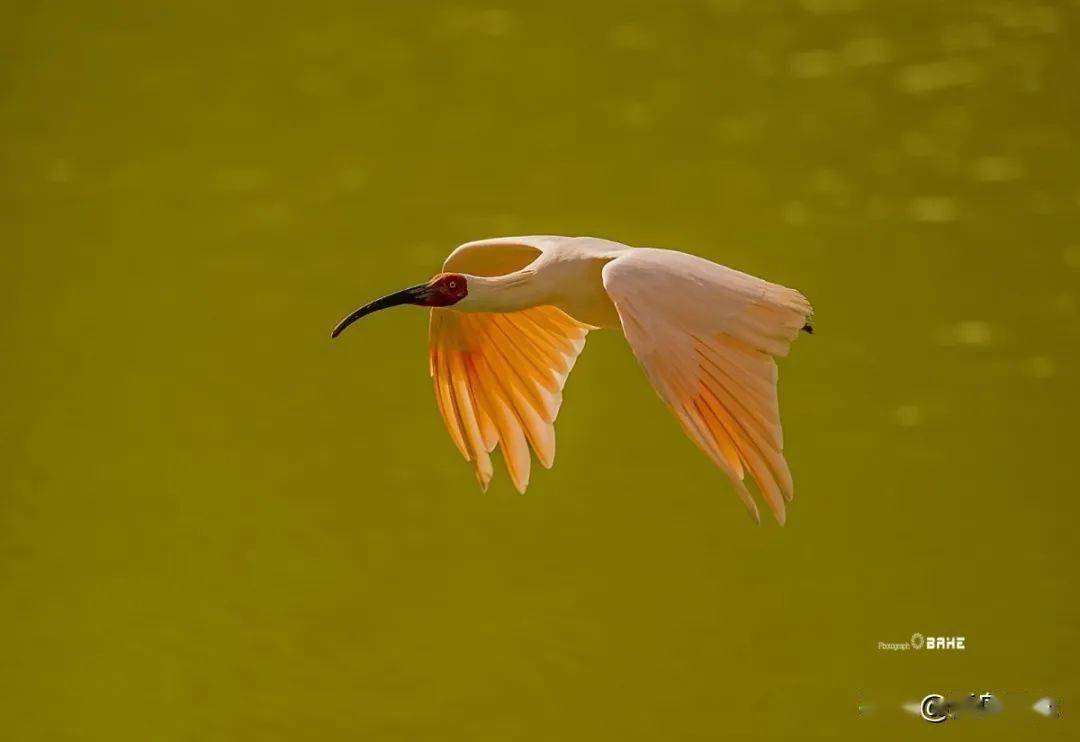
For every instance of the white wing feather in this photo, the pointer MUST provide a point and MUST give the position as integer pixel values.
(706, 336)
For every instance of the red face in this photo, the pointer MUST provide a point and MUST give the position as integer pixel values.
(446, 289)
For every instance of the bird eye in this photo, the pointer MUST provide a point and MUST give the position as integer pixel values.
(452, 284)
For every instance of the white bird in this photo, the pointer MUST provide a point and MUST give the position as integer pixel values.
(509, 317)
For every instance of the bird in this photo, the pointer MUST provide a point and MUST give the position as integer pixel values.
(509, 317)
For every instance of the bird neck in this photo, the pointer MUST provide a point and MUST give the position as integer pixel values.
(508, 293)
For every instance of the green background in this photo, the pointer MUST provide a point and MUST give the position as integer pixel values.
(217, 525)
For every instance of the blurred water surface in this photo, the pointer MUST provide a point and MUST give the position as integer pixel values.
(217, 525)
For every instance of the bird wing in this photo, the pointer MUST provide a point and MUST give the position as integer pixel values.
(499, 255)
(706, 336)
(498, 381)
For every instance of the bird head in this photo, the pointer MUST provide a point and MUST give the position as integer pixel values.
(444, 290)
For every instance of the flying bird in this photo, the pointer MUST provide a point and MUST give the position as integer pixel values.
(509, 318)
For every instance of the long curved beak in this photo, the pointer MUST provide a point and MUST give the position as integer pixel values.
(412, 295)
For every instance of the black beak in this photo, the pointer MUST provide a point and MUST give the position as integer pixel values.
(411, 295)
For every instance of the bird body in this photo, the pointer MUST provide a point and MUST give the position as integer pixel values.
(563, 272)
(509, 317)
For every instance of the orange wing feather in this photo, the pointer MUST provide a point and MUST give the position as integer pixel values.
(498, 382)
